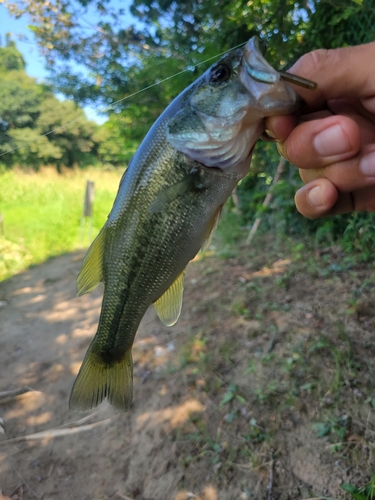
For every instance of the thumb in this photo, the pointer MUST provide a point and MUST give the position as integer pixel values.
(340, 73)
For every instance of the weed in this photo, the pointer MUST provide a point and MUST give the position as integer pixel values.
(229, 231)
(231, 394)
(251, 367)
(257, 434)
(226, 351)
(194, 350)
(239, 309)
(335, 428)
(269, 357)
(342, 355)
(365, 493)
(267, 394)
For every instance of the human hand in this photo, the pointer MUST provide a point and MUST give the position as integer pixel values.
(333, 143)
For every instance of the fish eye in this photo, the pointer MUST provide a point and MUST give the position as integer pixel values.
(220, 74)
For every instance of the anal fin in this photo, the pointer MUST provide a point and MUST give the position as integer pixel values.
(169, 305)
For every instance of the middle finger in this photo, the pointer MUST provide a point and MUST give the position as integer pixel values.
(322, 142)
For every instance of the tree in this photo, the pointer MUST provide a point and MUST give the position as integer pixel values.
(10, 58)
(74, 144)
(117, 61)
(31, 121)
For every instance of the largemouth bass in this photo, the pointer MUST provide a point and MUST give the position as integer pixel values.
(167, 205)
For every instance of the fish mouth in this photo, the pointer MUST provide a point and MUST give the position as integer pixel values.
(271, 95)
(261, 71)
(255, 64)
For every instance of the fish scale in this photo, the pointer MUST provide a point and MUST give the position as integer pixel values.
(168, 202)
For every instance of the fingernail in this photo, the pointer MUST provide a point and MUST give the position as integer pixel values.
(331, 142)
(315, 197)
(271, 134)
(367, 164)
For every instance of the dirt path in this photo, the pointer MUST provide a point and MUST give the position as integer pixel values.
(225, 401)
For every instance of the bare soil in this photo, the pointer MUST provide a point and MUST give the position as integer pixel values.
(264, 389)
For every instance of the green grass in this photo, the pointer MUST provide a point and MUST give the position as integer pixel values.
(42, 213)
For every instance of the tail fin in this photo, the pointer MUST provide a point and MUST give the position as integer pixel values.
(97, 380)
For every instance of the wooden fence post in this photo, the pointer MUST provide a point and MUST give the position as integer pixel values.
(88, 204)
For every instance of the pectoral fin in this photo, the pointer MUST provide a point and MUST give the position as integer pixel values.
(192, 182)
(91, 273)
(167, 195)
(169, 305)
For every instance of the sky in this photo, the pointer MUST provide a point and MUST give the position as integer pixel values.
(29, 49)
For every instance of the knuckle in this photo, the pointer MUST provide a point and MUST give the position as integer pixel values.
(309, 64)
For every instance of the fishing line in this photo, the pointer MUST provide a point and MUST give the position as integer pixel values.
(103, 110)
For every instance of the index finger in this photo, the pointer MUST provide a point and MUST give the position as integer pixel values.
(345, 72)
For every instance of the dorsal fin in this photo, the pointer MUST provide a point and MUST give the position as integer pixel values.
(211, 229)
(91, 273)
(168, 306)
